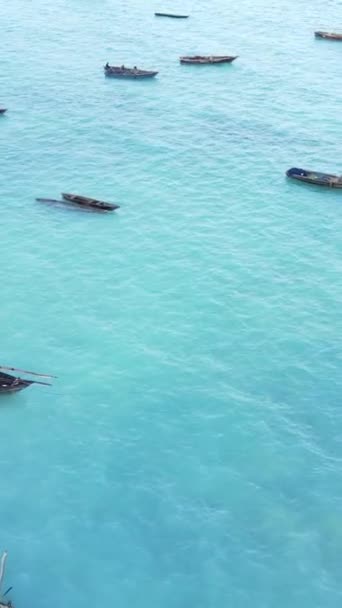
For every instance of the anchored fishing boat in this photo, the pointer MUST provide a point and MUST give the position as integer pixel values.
(13, 384)
(171, 15)
(116, 71)
(3, 602)
(3, 110)
(315, 177)
(202, 59)
(328, 35)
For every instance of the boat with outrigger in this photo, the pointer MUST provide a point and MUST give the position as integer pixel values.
(315, 177)
(13, 384)
(116, 71)
(207, 59)
(4, 602)
(85, 202)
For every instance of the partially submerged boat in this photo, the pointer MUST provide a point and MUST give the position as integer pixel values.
(85, 201)
(329, 35)
(3, 110)
(81, 201)
(4, 603)
(116, 71)
(315, 177)
(203, 59)
(13, 384)
(173, 15)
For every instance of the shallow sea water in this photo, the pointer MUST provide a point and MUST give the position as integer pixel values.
(190, 452)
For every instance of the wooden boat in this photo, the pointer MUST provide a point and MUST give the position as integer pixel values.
(3, 110)
(171, 15)
(13, 384)
(116, 71)
(85, 201)
(202, 60)
(314, 177)
(329, 35)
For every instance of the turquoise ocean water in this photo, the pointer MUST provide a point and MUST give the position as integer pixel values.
(189, 454)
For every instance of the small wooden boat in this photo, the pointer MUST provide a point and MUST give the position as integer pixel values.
(85, 201)
(314, 177)
(171, 15)
(3, 110)
(202, 60)
(13, 384)
(329, 35)
(115, 71)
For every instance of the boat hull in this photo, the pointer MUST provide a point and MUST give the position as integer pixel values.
(202, 60)
(117, 72)
(11, 384)
(171, 15)
(92, 203)
(315, 177)
(3, 110)
(328, 35)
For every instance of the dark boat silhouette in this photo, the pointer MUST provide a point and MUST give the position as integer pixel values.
(207, 59)
(81, 201)
(172, 15)
(115, 71)
(315, 177)
(13, 384)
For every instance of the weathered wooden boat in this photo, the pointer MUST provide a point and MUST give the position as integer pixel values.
(202, 59)
(171, 15)
(3, 110)
(13, 384)
(115, 71)
(85, 201)
(328, 35)
(315, 177)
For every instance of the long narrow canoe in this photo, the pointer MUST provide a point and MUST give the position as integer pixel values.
(328, 35)
(81, 201)
(315, 177)
(171, 15)
(115, 71)
(203, 60)
(85, 201)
